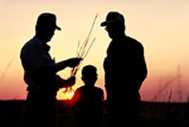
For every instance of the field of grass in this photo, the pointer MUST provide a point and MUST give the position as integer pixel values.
(153, 114)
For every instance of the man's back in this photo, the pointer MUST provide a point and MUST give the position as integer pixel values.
(125, 60)
(125, 69)
(35, 60)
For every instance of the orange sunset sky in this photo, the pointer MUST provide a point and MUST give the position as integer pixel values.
(162, 26)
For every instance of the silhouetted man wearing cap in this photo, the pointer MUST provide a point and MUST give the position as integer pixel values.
(40, 74)
(125, 70)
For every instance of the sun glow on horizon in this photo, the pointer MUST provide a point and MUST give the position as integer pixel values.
(65, 93)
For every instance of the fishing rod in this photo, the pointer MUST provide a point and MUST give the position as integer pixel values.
(83, 50)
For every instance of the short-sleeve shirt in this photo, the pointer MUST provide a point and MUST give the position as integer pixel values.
(125, 67)
(39, 73)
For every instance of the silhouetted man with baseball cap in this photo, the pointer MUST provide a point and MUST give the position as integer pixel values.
(40, 74)
(125, 70)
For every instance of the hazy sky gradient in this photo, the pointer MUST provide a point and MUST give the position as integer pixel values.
(162, 26)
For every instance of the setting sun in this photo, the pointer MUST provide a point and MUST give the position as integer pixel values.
(65, 93)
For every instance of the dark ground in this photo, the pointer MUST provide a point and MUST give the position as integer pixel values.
(152, 115)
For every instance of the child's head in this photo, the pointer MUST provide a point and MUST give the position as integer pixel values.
(89, 75)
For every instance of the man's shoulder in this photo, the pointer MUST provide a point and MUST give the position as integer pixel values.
(132, 39)
(134, 42)
(31, 45)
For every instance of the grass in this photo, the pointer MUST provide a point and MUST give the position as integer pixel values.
(153, 114)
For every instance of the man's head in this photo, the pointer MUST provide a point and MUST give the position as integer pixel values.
(114, 24)
(46, 25)
(89, 75)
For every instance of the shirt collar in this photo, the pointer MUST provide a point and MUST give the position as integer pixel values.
(42, 44)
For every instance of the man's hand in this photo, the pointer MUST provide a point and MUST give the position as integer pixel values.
(70, 81)
(72, 62)
(65, 83)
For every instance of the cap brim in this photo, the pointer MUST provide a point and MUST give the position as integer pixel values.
(104, 23)
(58, 28)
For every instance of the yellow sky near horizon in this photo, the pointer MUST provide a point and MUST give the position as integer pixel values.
(161, 26)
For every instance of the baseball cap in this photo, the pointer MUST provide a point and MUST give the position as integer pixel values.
(113, 17)
(47, 19)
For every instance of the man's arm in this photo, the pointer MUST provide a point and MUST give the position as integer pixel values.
(65, 82)
(52, 67)
(72, 62)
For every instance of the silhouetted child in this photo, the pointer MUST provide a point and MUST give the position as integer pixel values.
(88, 100)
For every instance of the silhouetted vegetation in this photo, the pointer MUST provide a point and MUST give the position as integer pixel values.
(154, 114)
